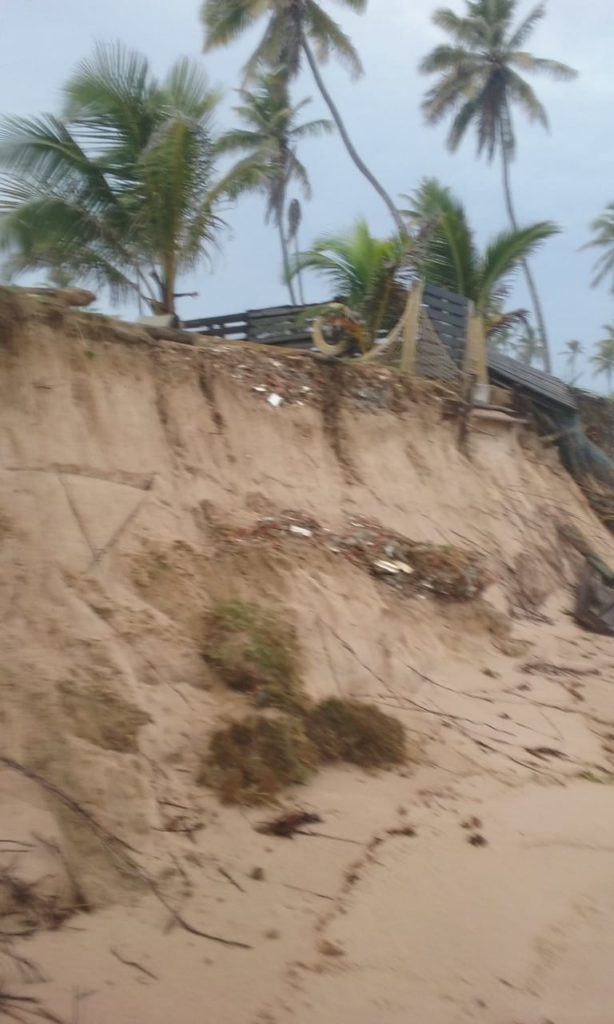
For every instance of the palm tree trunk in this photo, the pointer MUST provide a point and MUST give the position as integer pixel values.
(537, 306)
(284, 256)
(360, 164)
(299, 276)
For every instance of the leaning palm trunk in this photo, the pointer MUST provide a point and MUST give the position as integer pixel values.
(284, 255)
(535, 300)
(354, 155)
(299, 276)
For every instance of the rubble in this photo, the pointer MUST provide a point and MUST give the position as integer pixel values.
(295, 377)
(397, 561)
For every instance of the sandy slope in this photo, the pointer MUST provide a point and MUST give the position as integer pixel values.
(123, 469)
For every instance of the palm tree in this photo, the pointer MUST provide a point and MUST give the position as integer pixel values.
(603, 228)
(573, 350)
(363, 272)
(528, 346)
(295, 29)
(119, 189)
(480, 79)
(603, 361)
(269, 139)
(447, 254)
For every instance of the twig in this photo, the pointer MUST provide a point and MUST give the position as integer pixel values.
(103, 834)
(133, 963)
(310, 892)
(108, 839)
(78, 893)
(324, 835)
(25, 1004)
(181, 921)
(232, 881)
(27, 968)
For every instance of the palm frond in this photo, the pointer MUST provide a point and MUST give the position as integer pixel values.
(603, 238)
(525, 98)
(329, 39)
(448, 255)
(226, 20)
(504, 255)
(186, 88)
(361, 269)
(526, 27)
(539, 65)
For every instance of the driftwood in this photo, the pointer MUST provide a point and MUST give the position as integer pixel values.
(288, 824)
(67, 296)
(168, 334)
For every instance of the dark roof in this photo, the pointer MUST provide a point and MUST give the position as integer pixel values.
(542, 386)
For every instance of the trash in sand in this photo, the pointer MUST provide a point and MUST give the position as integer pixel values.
(275, 400)
(259, 387)
(393, 568)
(300, 531)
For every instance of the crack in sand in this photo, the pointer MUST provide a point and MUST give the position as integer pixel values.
(139, 481)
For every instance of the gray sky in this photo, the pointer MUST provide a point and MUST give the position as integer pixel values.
(565, 176)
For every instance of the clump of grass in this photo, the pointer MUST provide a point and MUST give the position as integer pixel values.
(253, 761)
(255, 651)
(346, 730)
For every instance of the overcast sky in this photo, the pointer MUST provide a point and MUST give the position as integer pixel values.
(566, 176)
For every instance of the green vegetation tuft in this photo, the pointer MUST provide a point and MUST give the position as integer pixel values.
(255, 651)
(252, 761)
(346, 730)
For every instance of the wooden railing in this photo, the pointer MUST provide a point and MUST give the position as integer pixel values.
(277, 325)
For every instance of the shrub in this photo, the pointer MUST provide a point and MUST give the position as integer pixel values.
(252, 761)
(345, 730)
(254, 651)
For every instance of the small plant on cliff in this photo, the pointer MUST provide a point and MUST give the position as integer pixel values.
(255, 651)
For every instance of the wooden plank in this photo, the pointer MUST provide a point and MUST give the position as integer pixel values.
(216, 321)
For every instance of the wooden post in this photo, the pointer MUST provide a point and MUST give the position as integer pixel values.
(475, 363)
(412, 328)
(465, 414)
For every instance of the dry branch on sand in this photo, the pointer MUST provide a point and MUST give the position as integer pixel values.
(118, 850)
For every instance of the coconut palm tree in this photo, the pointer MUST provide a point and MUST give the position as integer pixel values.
(269, 138)
(118, 190)
(480, 80)
(363, 272)
(603, 360)
(573, 349)
(603, 238)
(528, 346)
(295, 29)
(448, 255)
